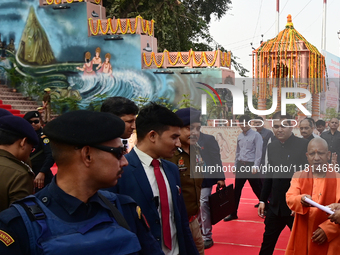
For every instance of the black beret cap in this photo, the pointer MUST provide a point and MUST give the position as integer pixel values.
(32, 114)
(84, 128)
(20, 127)
(4, 112)
(189, 115)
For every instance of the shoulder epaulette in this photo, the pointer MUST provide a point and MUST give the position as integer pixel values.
(9, 215)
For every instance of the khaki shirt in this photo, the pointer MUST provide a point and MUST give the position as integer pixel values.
(16, 179)
(191, 181)
(47, 98)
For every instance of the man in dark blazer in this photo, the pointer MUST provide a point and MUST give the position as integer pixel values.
(210, 152)
(158, 131)
(287, 155)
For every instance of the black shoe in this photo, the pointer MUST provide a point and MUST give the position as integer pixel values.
(257, 205)
(230, 217)
(208, 243)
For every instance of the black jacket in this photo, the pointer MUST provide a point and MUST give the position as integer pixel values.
(210, 152)
(41, 157)
(288, 158)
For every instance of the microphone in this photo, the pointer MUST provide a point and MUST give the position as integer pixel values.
(156, 201)
(125, 145)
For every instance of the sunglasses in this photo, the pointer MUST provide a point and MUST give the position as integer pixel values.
(34, 121)
(118, 152)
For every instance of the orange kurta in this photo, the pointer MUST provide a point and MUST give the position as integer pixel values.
(308, 219)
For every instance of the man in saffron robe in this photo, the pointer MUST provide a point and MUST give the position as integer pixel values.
(312, 232)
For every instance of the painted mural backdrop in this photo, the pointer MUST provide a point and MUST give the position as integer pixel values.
(52, 47)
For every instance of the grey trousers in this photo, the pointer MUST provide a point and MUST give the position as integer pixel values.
(204, 216)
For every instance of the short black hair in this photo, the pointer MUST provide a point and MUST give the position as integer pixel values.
(278, 115)
(7, 138)
(321, 123)
(310, 121)
(257, 117)
(155, 117)
(119, 106)
(61, 152)
(244, 117)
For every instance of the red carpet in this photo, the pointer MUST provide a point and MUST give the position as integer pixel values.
(244, 235)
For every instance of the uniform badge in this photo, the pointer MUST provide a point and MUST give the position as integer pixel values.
(46, 141)
(142, 217)
(199, 160)
(6, 238)
(179, 190)
(180, 162)
(139, 212)
(146, 222)
(181, 165)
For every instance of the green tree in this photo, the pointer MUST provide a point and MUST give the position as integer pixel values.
(186, 102)
(141, 101)
(179, 25)
(97, 102)
(330, 114)
(215, 111)
(27, 85)
(64, 104)
(164, 102)
(15, 78)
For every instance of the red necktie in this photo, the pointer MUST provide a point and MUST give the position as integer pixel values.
(163, 195)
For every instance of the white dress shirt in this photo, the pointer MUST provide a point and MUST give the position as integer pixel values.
(150, 174)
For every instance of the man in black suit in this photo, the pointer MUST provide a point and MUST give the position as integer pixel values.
(332, 137)
(288, 153)
(210, 152)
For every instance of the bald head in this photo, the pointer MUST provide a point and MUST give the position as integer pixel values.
(318, 154)
(319, 142)
(333, 124)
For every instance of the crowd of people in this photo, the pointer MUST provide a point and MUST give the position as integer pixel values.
(152, 199)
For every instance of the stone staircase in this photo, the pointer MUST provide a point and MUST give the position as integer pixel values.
(15, 102)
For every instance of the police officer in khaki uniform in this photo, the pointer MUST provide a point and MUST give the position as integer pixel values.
(17, 139)
(191, 179)
(47, 105)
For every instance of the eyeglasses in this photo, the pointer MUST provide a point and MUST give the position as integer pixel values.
(118, 152)
(34, 121)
